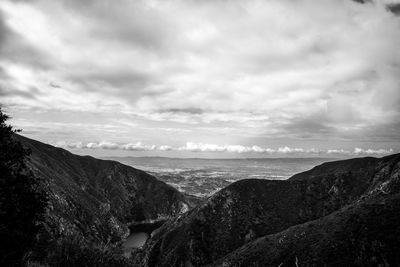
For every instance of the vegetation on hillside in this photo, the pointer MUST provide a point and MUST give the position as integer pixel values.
(30, 233)
(248, 222)
(22, 199)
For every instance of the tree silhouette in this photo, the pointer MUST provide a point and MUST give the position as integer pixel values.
(22, 199)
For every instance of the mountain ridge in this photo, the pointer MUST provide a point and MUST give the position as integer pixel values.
(97, 198)
(250, 209)
(335, 208)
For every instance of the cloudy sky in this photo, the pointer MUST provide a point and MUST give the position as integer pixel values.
(223, 78)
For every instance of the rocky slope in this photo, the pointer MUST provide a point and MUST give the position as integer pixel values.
(97, 199)
(363, 234)
(329, 209)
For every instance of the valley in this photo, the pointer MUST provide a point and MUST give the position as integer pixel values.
(151, 223)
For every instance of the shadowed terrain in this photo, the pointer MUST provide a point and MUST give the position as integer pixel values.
(338, 213)
(98, 198)
(336, 203)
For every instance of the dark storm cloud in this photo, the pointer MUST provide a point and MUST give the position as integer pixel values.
(395, 8)
(54, 85)
(391, 5)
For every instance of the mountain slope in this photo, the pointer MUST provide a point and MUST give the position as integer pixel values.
(97, 198)
(365, 233)
(249, 209)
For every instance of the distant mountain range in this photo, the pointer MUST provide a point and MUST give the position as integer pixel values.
(341, 213)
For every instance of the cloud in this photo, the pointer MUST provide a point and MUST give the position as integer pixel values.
(227, 149)
(369, 151)
(338, 151)
(103, 145)
(200, 147)
(361, 151)
(165, 148)
(304, 70)
(138, 147)
(108, 146)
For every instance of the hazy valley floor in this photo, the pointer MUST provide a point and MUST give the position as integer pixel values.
(204, 177)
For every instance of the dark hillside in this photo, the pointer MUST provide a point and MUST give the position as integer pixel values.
(249, 209)
(365, 233)
(97, 198)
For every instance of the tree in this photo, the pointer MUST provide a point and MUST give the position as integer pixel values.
(22, 199)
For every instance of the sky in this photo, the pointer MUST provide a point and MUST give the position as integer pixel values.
(222, 78)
